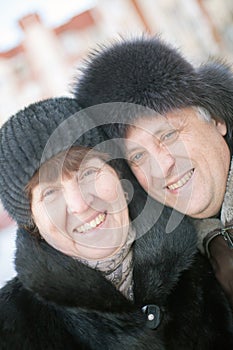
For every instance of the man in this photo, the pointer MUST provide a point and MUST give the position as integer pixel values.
(179, 144)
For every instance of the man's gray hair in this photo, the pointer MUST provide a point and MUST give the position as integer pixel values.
(203, 113)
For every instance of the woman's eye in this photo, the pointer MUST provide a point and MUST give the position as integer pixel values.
(169, 136)
(87, 174)
(49, 194)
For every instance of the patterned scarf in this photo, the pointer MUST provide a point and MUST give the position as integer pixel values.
(118, 268)
(227, 206)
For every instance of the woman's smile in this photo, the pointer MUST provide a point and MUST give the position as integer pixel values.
(84, 216)
(90, 225)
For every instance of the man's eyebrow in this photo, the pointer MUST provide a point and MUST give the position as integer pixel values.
(133, 149)
(157, 130)
(154, 133)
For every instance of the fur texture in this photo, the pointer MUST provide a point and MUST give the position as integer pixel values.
(31, 137)
(147, 71)
(55, 302)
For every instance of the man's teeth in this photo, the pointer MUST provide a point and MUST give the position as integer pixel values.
(182, 181)
(92, 224)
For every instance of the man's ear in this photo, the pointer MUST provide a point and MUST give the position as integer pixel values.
(220, 126)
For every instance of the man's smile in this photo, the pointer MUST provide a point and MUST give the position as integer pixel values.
(181, 182)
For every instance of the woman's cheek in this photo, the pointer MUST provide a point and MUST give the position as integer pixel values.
(108, 188)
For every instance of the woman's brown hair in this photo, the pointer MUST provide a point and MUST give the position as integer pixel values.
(63, 164)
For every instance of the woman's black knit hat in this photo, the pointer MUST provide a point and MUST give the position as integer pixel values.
(147, 71)
(32, 136)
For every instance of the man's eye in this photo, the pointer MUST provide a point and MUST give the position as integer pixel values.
(136, 158)
(170, 136)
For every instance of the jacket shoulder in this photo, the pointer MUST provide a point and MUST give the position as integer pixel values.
(15, 301)
(33, 323)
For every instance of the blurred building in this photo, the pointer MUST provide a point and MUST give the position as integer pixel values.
(44, 63)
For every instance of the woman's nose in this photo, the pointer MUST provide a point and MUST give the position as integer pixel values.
(76, 200)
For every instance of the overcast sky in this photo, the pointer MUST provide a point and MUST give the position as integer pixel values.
(53, 12)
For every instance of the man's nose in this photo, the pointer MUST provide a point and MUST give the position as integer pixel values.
(76, 200)
(162, 163)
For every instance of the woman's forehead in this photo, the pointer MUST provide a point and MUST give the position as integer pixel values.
(64, 164)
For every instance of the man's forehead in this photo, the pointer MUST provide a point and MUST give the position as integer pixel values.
(147, 124)
(157, 123)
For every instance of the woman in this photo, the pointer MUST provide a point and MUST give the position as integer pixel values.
(83, 279)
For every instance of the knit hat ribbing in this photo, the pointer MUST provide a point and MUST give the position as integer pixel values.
(32, 136)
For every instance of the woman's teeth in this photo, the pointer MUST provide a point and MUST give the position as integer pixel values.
(182, 181)
(92, 224)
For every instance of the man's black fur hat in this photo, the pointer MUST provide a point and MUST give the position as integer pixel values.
(147, 71)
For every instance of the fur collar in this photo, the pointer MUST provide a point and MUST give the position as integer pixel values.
(227, 206)
(61, 279)
(158, 258)
(161, 255)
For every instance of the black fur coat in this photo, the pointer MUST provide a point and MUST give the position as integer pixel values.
(55, 302)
